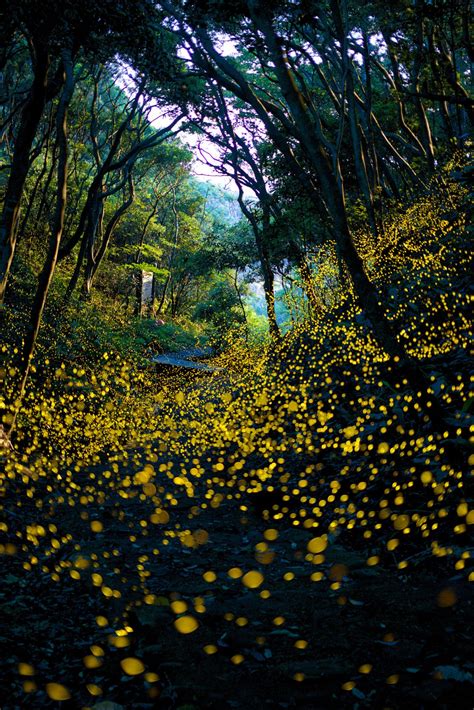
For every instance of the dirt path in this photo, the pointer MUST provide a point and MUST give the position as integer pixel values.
(186, 359)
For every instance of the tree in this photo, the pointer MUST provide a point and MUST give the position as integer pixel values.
(60, 36)
(285, 42)
(46, 29)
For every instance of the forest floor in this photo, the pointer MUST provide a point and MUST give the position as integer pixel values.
(212, 606)
(381, 631)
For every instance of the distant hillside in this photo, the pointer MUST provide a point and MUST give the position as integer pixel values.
(221, 204)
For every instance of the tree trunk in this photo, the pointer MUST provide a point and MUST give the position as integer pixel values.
(31, 198)
(171, 258)
(109, 230)
(46, 275)
(332, 190)
(163, 295)
(241, 303)
(354, 126)
(87, 244)
(264, 258)
(424, 125)
(30, 118)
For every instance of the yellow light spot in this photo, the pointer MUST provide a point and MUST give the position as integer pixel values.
(132, 666)
(92, 662)
(301, 643)
(178, 606)
(252, 579)
(374, 560)
(271, 534)
(265, 558)
(186, 624)
(151, 677)
(349, 685)
(56, 691)
(317, 544)
(25, 669)
(401, 522)
(350, 431)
